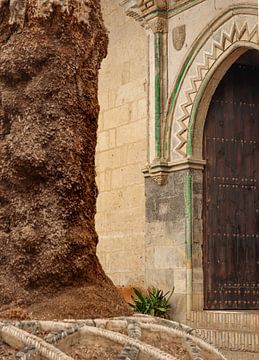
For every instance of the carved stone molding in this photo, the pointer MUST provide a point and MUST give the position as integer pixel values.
(161, 179)
(158, 24)
(141, 9)
(159, 171)
(132, 9)
(231, 32)
(179, 35)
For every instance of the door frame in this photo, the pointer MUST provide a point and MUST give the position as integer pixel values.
(199, 115)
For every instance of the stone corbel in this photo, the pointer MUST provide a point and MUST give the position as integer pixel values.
(133, 9)
(151, 5)
(149, 13)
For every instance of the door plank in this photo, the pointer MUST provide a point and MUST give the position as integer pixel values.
(231, 199)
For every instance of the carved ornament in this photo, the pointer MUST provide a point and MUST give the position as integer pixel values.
(179, 35)
(141, 9)
(228, 34)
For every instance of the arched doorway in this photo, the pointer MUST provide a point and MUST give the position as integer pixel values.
(231, 198)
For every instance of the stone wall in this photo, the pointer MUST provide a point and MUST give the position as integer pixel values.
(191, 45)
(122, 150)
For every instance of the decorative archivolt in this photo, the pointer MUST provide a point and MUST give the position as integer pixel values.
(230, 33)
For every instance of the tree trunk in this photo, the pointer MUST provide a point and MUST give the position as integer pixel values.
(50, 54)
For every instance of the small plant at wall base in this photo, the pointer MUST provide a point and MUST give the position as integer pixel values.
(154, 303)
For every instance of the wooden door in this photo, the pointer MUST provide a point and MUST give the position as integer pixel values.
(231, 203)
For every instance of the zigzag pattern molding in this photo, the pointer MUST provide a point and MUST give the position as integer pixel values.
(236, 33)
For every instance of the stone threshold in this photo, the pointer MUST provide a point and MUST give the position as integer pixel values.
(226, 320)
(230, 330)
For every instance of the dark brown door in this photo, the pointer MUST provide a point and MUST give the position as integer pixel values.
(231, 203)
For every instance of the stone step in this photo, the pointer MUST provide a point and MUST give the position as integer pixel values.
(225, 320)
(231, 331)
(231, 340)
(235, 355)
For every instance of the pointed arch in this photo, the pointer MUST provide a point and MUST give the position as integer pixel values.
(222, 42)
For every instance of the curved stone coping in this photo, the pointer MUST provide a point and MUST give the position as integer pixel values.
(18, 338)
(194, 350)
(149, 322)
(130, 351)
(59, 331)
(123, 339)
(193, 342)
(200, 342)
(161, 321)
(105, 328)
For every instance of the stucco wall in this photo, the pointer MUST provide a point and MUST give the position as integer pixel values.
(122, 148)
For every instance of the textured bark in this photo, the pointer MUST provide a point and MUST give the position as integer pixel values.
(49, 60)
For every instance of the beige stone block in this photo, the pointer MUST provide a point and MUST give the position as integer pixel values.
(123, 154)
(221, 4)
(110, 200)
(126, 176)
(107, 201)
(197, 302)
(116, 117)
(128, 279)
(169, 257)
(112, 94)
(108, 7)
(198, 288)
(149, 257)
(112, 138)
(161, 279)
(103, 100)
(107, 180)
(139, 69)
(102, 141)
(100, 222)
(103, 181)
(179, 306)
(142, 108)
(138, 109)
(137, 152)
(116, 262)
(122, 241)
(117, 179)
(125, 75)
(132, 175)
(102, 257)
(125, 219)
(134, 196)
(130, 92)
(109, 159)
(131, 133)
(100, 204)
(180, 281)
(120, 261)
(100, 122)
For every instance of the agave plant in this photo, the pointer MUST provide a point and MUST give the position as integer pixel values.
(154, 302)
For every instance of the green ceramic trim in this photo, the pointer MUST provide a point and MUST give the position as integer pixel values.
(188, 210)
(178, 82)
(157, 93)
